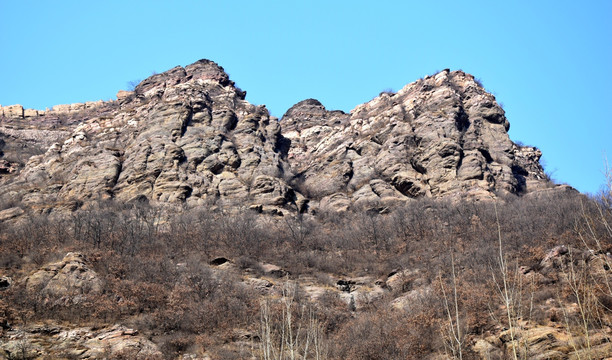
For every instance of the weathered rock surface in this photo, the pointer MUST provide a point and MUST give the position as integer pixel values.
(60, 342)
(186, 135)
(544, 342)
(17, 111)
(10, 213)
(189, 136)
(23, 136)
(440, 136)
(68, 280)
(12, 111)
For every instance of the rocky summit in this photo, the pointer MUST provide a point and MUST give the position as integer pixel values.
(188, 136)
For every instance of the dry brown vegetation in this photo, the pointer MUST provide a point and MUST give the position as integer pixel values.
(475, 258)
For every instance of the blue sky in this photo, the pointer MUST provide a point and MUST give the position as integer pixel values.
(548, 62)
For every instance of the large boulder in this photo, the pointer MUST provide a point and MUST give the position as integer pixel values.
(69, 280)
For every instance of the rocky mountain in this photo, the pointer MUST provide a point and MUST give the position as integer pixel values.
(440, 136)
(189, 136)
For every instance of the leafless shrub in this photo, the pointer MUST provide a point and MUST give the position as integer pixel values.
(290, 329)
(155, 266)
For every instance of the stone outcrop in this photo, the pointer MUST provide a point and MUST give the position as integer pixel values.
(68, 280)
(10, 213)
(25, 133)
(543, 342)
(12, 111)
(60, 342)
(443, 135)
(186, 135)
(189, 136)
(19, 112)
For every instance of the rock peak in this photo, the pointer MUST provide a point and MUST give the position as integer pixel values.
(206, 63)
(441, 136)
(200, 70)
(308, 113)
(306, 108)
(310, 101)
(207, 69)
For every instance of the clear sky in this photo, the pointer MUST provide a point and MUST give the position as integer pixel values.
(548, 62)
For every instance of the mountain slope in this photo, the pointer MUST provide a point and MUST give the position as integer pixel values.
(440, 136)
(189, 136)
(186, 135)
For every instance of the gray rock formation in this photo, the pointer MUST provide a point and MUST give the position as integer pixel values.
(440, 136)
(189, 136)
(61, 342)
(70, 280)
(186, 135)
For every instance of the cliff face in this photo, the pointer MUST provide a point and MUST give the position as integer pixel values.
(188, 136)
(440, 136)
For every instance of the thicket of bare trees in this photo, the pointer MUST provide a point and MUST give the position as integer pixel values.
(154, 262)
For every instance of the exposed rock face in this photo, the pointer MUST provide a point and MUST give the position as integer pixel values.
(440, 136)
(11, 111)
(19, 112)
(10, 213)
(67, 280)
(60, 342)
(27, 133)
(188, 136)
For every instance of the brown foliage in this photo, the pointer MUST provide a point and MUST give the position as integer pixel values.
(154, 263)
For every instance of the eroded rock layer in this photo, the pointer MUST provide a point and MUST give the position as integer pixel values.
(186, 135)
(189, 136)
(440, 136)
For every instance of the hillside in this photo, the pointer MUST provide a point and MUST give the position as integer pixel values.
(181, 222)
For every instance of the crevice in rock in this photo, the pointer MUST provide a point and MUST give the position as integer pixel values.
(520, 175)
(485, 153)
(418, 167)
(462, 121)
(282, 146)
